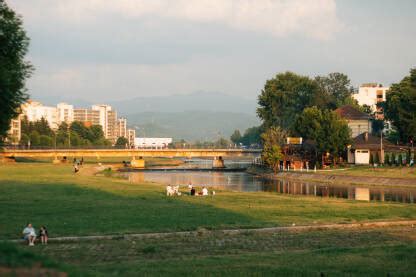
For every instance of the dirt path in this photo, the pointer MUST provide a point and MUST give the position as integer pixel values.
(376, 224)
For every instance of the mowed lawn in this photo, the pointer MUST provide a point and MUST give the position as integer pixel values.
(70, 204)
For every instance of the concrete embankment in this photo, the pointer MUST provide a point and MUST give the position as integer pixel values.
(335, 178)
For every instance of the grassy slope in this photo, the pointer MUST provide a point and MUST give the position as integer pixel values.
(391, 172)
(84, 205)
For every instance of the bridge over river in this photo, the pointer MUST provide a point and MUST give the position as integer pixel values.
(136, 155)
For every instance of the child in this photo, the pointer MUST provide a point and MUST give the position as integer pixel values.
(44, 235)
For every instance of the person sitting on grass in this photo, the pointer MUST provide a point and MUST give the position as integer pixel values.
(43, 232)
(29, 234)
(192, 191)
(204, 191)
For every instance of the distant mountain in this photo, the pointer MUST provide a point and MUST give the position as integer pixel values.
(198, 101)
(53, 100)
(190, 125)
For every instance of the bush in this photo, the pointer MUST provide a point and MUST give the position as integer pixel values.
(387, 159)
(400, 159)
(393, 159)
(45, 140)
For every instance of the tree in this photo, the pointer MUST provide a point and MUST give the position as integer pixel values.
(400, 107)
(371, 159)
(252, 136)
(24, 139)
(337, 86)
(14, 70)
(326, 128)
(222, 143)
(45, 140)
(34, 138)
(393, 159)
(236, 137)
(376, 158)
(400, 159)
(122, 141)
(272, 152)
(97, 133)
(286, 95)
(387, 158)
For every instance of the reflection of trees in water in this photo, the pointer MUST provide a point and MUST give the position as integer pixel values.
(245, 182)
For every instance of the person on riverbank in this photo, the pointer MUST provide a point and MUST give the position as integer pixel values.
(193, 191)
(29, 234)
(43, 232)
(76, 168)
(204, 191)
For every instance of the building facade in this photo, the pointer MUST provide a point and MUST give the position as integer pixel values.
(15, 132)
(371, 94)
(131, 135)
(65, 113)
(358, 122)
(36, 111)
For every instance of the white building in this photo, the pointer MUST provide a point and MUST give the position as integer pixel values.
(152, 142)
(371, 94)
(131, 135)
(108, 120)
(36, 111)
(121, 127)
(65, 113)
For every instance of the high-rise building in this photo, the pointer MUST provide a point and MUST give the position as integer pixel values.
(15, 132)
(371, 94)
(36, 111)
(108, 120)
(65, 113)
(87, 116)
(131, 135)
(121, 128)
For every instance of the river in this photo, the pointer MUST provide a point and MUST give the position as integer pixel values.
(242, 181)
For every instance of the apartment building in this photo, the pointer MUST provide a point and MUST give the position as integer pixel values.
(36, 111)
(371, 94)
(87, 116)
(131, 135)
(121, 127)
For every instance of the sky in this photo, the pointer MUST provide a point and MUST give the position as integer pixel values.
(113, 50)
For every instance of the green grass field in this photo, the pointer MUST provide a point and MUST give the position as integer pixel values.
(84, 204)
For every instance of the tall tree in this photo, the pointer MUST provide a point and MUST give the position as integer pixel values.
(122, 141)
(285, 96)
(252, 136)
(273, 138)
(337, 86)
(236, 137)
(400, 107)
(326, 128)
(14, 70)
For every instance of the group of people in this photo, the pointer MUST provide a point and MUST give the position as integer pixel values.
(174, 191)
(29, 234)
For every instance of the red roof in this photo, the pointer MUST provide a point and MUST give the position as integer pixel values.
(350, 113)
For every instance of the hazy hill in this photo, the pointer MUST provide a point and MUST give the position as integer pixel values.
(195, 116)
(190, 125)
(198, 101)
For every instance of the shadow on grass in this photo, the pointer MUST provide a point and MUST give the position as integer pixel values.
(74, 209)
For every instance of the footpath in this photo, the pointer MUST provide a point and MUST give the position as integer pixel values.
(302, 228)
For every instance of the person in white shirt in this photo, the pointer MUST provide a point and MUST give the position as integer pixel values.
(29, 234)
(204, 191)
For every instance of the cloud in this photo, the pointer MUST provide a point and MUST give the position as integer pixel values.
(312, 18)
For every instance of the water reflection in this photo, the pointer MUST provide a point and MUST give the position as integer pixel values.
(241, 181)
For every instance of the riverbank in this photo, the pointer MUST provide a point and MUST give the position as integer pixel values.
(362, 176)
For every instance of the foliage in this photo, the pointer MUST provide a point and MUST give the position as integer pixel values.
(371, 158)
(236, 137)
(393, 159)
(273, 138)
(45, 140)
(252, 136)
(285, 96)
(387, 158)
(222, 143)
(122, 141)
(330, 133)
(400, 159)
(376, 158)
(34, 138)
(24, 139)
(337, 87)
(377, 126)
(400, 107)
(14, 70)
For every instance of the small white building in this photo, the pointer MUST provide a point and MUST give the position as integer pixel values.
(152, 142)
